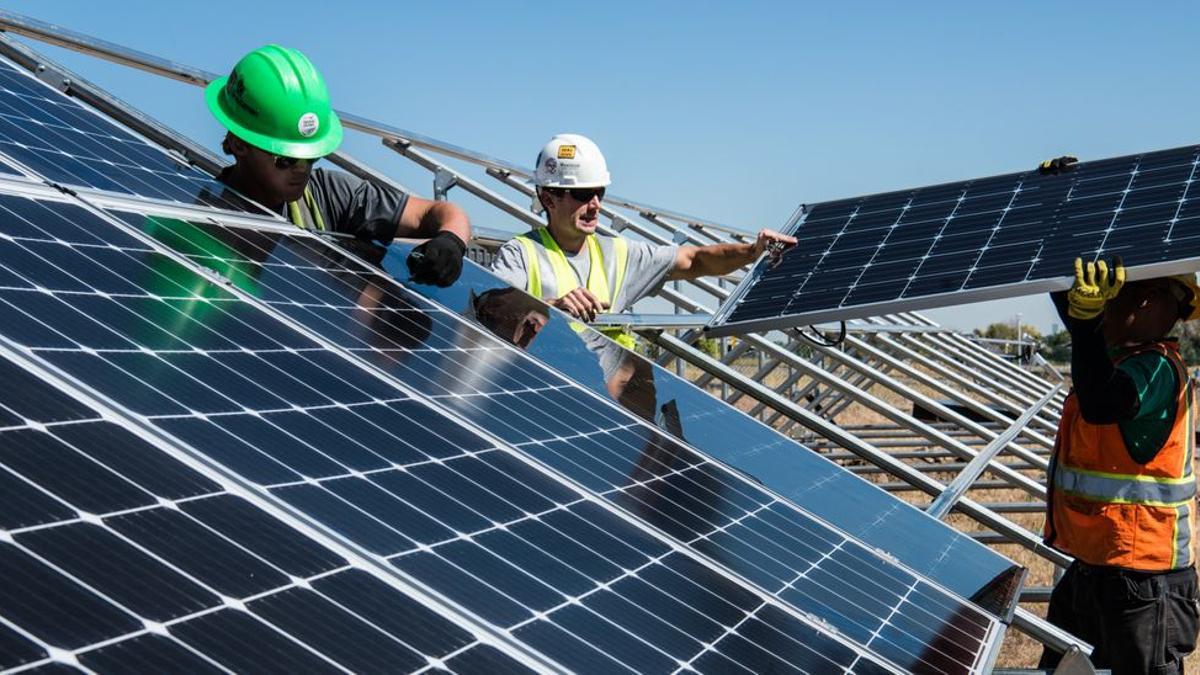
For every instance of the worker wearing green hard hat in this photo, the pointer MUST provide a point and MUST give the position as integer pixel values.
(276, 109)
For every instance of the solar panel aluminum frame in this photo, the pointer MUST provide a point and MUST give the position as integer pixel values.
(721, 326)
(994, 631)
(281, 511)
(992, 646)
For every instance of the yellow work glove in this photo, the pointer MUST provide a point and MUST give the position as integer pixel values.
(1093, 288)
(1053, 167)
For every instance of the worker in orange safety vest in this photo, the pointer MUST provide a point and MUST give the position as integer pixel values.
(1121, 486)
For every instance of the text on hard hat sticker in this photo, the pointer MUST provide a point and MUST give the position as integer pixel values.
(566, 152)
(308, 124)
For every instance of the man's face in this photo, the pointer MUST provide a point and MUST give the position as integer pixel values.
(1141, 312)
(277, 179)
(576, 209)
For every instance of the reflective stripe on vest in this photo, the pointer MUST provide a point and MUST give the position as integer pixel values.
(1125, 489)
(307, 217)
(1106, 509)
(565, 279)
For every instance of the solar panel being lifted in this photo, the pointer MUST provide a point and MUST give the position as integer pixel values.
(981, 239)
(57, 138)
(535, 559)
(726, 434)
(794, 558)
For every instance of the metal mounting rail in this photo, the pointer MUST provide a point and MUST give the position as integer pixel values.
(961, 483)
(109, 51)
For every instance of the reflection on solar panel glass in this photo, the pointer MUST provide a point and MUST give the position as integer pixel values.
(539, 561)
(57, 138)
(726, 434)
(983, 238)
(728, 519)
(114, 556)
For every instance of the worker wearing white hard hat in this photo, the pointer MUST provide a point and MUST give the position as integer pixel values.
(585, 273)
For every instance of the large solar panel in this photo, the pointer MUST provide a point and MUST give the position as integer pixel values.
(530, 555)
(797, 560)
(980, 239)
(115, 556)
(725, 433)
(576, 534)
(58, 139)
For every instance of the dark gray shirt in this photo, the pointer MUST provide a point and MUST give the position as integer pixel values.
(352, 205)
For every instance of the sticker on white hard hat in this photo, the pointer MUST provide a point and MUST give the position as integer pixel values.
(566, 152)
(308, 124)
(551, 165)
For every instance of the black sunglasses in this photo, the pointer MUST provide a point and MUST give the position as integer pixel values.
(581, 195)
(285, 163)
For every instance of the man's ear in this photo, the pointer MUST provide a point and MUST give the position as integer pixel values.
(237, 147)
(544, 198)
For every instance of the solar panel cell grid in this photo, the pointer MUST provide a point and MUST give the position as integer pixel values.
(990, 237)
(470, 493)
(58, 139)
(650, 476)
(114, 556)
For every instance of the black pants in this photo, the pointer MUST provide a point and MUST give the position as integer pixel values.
(1138, 622)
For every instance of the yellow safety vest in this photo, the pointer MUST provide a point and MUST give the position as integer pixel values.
(308, 216)
(565, 280)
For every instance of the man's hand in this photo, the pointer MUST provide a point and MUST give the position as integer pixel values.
(437, 261)
(1053, 167)
(772, 243)
(581, 304)
(1093, 288)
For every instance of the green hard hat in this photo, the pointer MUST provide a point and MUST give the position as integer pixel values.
(276, 101)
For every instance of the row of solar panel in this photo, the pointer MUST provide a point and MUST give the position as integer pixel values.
(470, 516)
(31, 96)
(451, 509)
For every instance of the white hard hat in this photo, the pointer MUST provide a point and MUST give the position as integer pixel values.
(570, 161)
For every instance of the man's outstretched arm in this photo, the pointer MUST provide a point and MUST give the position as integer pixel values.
(693, 262)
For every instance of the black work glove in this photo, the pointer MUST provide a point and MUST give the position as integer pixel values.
(437, 261)
(1053, 167)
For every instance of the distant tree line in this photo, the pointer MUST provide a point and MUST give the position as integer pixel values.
(1056, 347)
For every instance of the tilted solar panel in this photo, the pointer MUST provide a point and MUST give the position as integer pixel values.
(726, 434)
(449, 458)
(543, 563)
(115, 556)
(980, 239)
(57, 138)
(730, 520)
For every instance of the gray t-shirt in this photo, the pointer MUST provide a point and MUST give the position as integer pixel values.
(352, 205)
(645, 271)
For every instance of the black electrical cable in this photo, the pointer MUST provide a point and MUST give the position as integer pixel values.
(817, 338)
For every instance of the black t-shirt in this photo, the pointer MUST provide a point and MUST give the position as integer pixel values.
(352, 205)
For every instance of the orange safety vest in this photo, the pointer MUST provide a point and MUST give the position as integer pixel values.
(1106, 509)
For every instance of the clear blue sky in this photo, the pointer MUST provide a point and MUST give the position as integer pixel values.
(734, 111)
